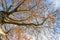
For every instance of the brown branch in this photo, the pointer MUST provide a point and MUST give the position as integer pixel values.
(16, 7)
(5, 4)
(10, 19)
(26, 10)
(10, 5)
(2, 5)
(20, 23)
(25, 23)
(22, 10)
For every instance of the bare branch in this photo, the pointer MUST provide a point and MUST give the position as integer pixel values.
(15, 10)
(2, 3)
(10, 5)
(26, 10)
(25, 24)
(16, 7)
(23, 10)
(5, 4)
(21, 23)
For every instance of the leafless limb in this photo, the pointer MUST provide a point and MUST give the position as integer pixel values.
(10, 6)
(5, 4)
(23, 10)
(26, 10)
(26, 23)
(16, 7)
(2, 5)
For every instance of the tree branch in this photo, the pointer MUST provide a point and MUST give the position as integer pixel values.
(10, 5)
(5, 4)
(22, 10)
(16, 7)
(26, 10)
(25, 23)
(2, 5)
